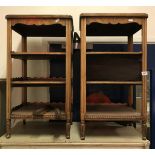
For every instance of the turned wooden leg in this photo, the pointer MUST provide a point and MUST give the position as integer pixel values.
(68, 124)
(8, 128)
(24, 121)
(134, 124)
(71, 118)
(144, 130)
(82, 130)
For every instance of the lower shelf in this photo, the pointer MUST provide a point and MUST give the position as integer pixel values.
(112, 112)
(40, 110)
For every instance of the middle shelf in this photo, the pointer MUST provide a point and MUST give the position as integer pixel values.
(36, 81)
(112, 53)
(115, 82)
(36, 55)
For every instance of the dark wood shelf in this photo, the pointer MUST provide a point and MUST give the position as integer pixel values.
(36, 55)
(17, 82)
(39, 110)
(113, 53)
(112, 112)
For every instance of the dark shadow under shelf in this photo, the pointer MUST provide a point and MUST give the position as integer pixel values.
(39, 110)
(99, 29)
(55, 30)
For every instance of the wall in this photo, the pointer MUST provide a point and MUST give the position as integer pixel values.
(42, 43)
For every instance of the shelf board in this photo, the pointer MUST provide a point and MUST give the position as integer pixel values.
(113, 53)
(35, 55)
(17, 82)
(115, 82)
(39, 110)
(112, 112)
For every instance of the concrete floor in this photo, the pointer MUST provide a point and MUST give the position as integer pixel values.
(39, 134)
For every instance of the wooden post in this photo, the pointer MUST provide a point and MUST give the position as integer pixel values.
(24, 71)
(144, 78)
(130, 49)
(83, 77)
(9, 76)
(68, 77)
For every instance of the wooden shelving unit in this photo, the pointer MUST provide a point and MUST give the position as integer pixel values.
(38, 26)
(113, 68)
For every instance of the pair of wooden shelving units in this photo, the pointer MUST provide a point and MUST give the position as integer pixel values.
(97, 67)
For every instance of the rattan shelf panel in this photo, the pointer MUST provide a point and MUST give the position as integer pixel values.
(39, 111)
(112, 112)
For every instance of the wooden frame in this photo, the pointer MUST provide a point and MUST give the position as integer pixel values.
(127, 25)
(43, 26)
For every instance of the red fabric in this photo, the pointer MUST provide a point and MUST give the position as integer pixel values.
(98, 98)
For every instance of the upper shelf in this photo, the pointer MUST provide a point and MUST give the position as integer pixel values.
(36, 55)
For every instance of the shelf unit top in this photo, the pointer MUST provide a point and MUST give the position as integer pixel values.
(37, 16)
(100, 24)
(40, 25)
(139, 15)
